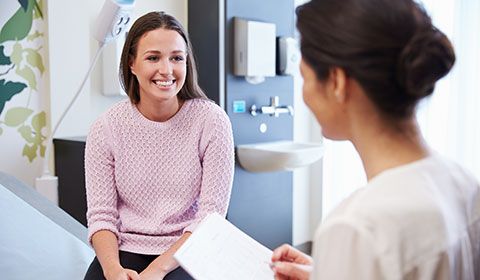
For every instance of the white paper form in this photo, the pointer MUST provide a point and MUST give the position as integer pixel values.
(217, 250)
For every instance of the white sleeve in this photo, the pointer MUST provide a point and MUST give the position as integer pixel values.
(342, 250)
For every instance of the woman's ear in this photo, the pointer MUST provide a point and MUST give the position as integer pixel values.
(338, 78)
(130, 64)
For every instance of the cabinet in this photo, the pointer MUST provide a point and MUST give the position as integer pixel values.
(70, 170)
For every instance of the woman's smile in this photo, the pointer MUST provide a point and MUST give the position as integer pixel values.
(165, 84)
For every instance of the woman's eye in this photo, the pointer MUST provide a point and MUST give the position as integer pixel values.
(152, 58)
(178, 58)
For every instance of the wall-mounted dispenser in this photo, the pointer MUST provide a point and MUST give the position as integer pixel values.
(288, 56)
(254, 50)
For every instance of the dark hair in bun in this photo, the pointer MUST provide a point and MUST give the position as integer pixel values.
(390, 47)
(426, 58)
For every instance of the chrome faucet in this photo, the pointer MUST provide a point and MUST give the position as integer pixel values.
(273, 110)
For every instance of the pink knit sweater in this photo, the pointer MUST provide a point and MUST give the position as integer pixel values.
(149, 182)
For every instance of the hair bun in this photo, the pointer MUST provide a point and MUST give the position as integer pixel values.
(426, 58)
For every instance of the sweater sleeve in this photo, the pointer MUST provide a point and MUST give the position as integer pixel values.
(217, 168)
(102, 213)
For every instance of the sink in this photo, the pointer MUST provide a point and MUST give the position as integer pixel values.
(277, 156)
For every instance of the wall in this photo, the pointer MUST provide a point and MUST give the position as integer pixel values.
(261, 203)
(23, 91)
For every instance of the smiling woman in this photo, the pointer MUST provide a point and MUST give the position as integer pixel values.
(160, 68)
(156, 164)
(139, 30)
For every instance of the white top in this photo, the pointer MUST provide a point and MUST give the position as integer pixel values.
(417, 221)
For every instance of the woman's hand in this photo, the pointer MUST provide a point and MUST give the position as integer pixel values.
(290, 263)
(120, 273)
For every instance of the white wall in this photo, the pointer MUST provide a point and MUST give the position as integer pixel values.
(72, 48)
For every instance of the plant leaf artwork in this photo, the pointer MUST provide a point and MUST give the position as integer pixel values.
(19, 25)
(30, 151)
(35, 59)
(34, 138)
(37, 9)
(17, 115)
(16, 55)
(43, 148)
(8, 90)
(26, 133)
(20, 35)
(24, 4)
(26, 72)
(34, 36)
(39, 121)
(4, 60)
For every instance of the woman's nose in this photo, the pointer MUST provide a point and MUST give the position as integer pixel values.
(165, 67)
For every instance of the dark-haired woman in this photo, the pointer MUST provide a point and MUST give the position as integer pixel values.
(158, 163)
(366, 64)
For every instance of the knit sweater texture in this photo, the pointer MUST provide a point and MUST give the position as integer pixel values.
(149, 182)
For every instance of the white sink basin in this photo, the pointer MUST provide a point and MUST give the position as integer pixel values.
(276, 156)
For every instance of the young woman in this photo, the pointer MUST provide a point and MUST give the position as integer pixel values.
(366, 64)
(158, 163)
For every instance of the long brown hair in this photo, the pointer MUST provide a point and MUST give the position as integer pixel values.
(142, 25)
(389, 46)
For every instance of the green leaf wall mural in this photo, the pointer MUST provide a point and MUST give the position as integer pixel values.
(8, 90)
(4, 60)
(22, 69)
(19, 25)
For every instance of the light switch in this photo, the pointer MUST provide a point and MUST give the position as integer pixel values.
(239, 106)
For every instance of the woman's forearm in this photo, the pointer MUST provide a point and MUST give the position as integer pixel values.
(105, 244)
(166, 262)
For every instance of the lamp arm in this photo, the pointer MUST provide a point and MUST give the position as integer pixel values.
(49, 143)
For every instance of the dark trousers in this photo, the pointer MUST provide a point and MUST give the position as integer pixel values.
(135, 262)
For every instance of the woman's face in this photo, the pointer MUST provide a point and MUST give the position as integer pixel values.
(320, 98)
(160, 64)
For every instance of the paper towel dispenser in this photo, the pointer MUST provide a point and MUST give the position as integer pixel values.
(254, 49)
